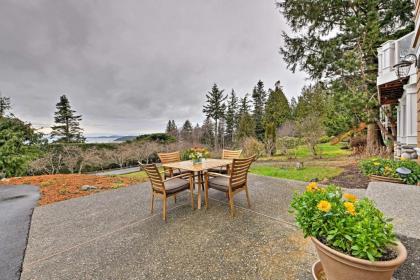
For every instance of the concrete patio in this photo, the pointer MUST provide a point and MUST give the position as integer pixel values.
(111, 235)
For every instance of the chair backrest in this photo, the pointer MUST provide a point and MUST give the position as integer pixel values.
(239, 171)
(229, 154)
(169, 157)
(155, 179)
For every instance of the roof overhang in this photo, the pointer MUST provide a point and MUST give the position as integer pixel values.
(390, 92)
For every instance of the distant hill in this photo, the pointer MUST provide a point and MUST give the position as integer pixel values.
(125, 138)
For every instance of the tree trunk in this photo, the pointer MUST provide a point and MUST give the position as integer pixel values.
(216, 135)
(374, 141)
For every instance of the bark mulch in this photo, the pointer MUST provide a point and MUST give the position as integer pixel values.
(61, 187)
(351, 178)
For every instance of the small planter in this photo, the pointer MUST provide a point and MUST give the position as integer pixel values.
(339, 266)
(197, 160)
(377, 178)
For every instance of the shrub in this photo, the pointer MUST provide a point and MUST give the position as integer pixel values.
(288, 145)
(342, 222)
(388, 167)
(251, 146)
(325, 139)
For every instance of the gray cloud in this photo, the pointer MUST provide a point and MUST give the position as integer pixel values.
(129, 66)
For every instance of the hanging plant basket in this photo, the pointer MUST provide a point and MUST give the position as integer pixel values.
(377, 178)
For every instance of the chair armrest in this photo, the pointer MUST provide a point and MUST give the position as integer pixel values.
(217, 174)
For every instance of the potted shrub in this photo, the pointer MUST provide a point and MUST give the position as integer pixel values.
(385, 170)
(352, 237)
(197, 154)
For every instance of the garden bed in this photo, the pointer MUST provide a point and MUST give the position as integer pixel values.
(61, 187)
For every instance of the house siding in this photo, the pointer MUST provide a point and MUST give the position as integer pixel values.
(416, 44)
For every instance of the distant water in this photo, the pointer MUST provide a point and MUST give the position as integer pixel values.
(101, 139)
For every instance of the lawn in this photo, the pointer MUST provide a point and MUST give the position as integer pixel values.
(304, 174)
(139, 176)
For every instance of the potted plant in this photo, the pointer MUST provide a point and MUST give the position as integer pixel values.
(385, 170)
(197, 154)
(352, 237)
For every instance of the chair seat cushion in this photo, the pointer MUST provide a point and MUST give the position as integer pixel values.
(176, 185)
(219, 183)
(176, 172)
(221, 170)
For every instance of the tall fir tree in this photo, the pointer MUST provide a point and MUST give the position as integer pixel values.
(207, 132)
(231, 118)
(337, 41)
(215, 109)
(67, 124)
(259, 97)
(246, 124)
(171, 128)
(187, 131)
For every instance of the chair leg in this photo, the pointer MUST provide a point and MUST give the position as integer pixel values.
(152, 202)
(232, 206)
(164, 208)
(206, 192)
(192, 191)
(247, 196)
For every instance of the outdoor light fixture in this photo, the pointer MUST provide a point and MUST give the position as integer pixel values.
(401, 69)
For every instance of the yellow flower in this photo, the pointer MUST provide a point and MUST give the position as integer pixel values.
(313, 186)
(350, 197)
(350, 208)
(376, 163)
(324, 206)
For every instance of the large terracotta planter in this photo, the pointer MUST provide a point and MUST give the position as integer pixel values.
(339, 266)
(377, 178)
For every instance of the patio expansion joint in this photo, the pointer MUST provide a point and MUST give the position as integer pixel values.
(71, 248)
(136, 222)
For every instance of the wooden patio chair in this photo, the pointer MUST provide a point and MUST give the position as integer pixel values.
(231, 184)
(172, 157)
(167, 188)
(227, 154)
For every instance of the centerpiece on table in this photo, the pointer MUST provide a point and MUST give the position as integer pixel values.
(352, 237)
(197, 154)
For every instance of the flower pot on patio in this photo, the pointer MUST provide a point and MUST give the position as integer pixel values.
(339, 266)
(377, 178)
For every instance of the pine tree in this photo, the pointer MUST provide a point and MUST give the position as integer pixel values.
(207, 132)
(231, 117)
(215, 109)
(67, 128)
(4, 105)
(171, 128)
(246, 124)
(197, 134)
(259, 97)
(277, 109)
(187, 131)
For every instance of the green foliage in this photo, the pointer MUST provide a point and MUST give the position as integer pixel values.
(67, 128)
(186, 131)
(207, 136)
(171, 128)
(4, 105)
(215, 109)
(303, 174)
(287, 146)
(355, 227)
(259, 98)
(388, 167)
(231, 117)
(19, 144)
(157, 137)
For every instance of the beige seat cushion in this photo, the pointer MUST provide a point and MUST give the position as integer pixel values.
(219, 183)
(176, 185)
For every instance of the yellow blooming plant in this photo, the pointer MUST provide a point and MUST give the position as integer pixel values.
(342, 221)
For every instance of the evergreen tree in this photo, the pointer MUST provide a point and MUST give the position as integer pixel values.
(197, 134)
(293, 105)
(187, 131)
(207, 132)
(4, 105)
(231, 117)
(259, 96)
(171, 128)
(67, 127)
(246, 124)
(277, 109)
(338, 40)
(215, 109)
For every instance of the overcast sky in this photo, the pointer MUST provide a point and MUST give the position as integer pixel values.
(129, 66)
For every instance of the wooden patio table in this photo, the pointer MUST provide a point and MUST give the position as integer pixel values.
(198, 169)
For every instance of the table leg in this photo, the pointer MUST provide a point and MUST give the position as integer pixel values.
(199, 191)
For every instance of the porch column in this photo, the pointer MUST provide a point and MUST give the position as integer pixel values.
(410, 114)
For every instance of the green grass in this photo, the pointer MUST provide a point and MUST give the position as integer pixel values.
(139, 175)
(304, 174)
(326, 150)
